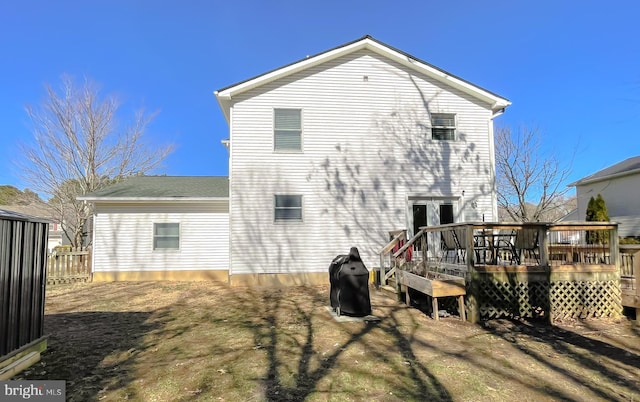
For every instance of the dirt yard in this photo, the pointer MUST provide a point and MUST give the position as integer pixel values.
(175, 341)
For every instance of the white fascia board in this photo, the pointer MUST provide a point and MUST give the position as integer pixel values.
(224, 97)
(228, 93)
(139, 200)
(225, 105)
(603, 178)
(496, 102)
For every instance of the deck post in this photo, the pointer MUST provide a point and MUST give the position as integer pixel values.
(381, 272)
(434, 308)
(543, 244)
(461, 308)
(407, 298)
(473, 291)
(614, 249)
(614, 259)
(636, 276)
(423, 248)
(398, 285)
(471, 279)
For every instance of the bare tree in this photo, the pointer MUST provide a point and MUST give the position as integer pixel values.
(530, 186)
(79, 148)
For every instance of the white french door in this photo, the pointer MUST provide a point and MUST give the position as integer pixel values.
(431, 212)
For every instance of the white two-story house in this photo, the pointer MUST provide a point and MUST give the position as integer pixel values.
(326, 153)
(619, 186)
(339, 148)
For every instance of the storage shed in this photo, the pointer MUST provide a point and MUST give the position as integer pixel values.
(23, 266)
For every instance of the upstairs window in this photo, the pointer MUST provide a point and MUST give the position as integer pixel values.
(443, 126)
(166, 236)
(287, 130)
(288, 208)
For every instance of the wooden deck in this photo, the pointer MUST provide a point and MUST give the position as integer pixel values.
(531, 269)
(629, 273)
(435, 285)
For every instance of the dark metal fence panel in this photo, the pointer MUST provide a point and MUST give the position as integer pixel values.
(5, 283)
(39, 281)
(23, 248)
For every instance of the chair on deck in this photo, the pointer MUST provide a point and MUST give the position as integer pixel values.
(451, 243)
(492, 247)
(504, 245)
(482, 247)
(526, 242)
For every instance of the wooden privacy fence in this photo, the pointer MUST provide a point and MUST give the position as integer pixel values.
(69, 265)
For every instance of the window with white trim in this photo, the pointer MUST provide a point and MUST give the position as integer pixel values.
(288, 208)
(443, 126)
(166, 236)
(287, 130)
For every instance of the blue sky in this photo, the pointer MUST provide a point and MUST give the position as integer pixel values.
(571, 68)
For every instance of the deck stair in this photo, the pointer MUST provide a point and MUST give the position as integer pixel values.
(402, 268)
(536, 270)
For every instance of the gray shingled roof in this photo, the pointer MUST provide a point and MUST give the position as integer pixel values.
(626, 166)
(30, 210)
(16, 216)
(166, 187)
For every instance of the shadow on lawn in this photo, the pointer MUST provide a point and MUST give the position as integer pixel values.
(586, 352)
(282, 349)
(282, 344)
(102, 357)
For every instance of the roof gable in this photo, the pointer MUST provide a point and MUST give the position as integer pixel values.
(164, 188)
(226, 94)
(626, 167)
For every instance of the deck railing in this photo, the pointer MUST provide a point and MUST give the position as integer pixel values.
(629, 261)
(459, 247)
(629, 274)
(521, 269)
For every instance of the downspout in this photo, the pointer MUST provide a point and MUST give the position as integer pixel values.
(492, 158)
(93, 240)
(230, 203)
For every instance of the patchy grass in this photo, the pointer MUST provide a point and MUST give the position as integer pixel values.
(179, 341)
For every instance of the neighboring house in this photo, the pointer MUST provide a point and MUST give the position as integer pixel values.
(161, 227)
(619, 186)
(339, 148)
(327, 153)
(55, 236)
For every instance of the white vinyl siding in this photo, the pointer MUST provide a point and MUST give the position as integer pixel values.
(123, 238)
(287, 134)
(621, 195)
(367, 148)
(166, 236)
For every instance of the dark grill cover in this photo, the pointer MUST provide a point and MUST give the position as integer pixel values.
(349, 280)
(334, 269)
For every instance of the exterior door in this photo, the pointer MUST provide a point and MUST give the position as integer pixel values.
(419, 217)
(431, 212)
